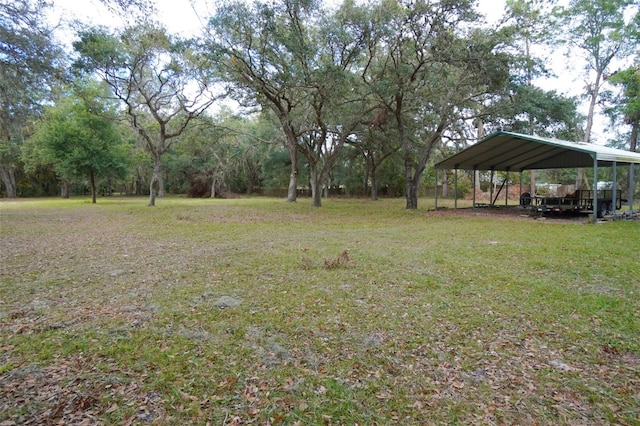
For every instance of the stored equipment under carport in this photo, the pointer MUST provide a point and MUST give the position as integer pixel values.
(581, 201)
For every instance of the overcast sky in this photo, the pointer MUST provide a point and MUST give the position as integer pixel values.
(180, 16)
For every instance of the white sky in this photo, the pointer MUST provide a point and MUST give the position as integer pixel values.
(180, 17)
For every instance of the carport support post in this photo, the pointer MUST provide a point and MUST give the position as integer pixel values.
(435, 191)
(475, 176)
(455, 188)
(506, 197)
(614, 188)
(631, 179)
(491, 188)
(595, 189)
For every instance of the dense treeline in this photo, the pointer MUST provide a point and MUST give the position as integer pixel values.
(358, 99)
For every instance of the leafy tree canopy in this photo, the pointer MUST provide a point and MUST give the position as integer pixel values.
(29, 64)
(78, 138)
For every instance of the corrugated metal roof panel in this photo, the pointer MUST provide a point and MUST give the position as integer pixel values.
(516, 152)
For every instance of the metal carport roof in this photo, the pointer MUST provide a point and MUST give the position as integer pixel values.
(516, 152)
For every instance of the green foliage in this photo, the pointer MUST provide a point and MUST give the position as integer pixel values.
(465, 185)
(30, 63)
(629, 80)
(625, 106)
(38, 182)
(599, 27)
(276, 166)
(226, 148)
(30, 60)
(530, 109)
(78, 138)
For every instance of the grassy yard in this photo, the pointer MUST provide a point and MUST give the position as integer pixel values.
(229, 312)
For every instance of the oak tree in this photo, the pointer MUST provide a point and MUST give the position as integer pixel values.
(431, 70)
(302, 63)
(157, 78)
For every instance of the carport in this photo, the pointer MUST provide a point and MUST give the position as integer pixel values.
(515, 152)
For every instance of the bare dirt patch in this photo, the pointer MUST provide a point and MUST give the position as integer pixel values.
(509, 212)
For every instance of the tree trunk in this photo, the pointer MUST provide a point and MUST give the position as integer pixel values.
(412, 180)
(594, 90)
(65, 189)
(374, 185)
(156, 178)
(9, 180)
(411, 190)
(316, 183)
(324, 188)
(412, 194)
(251, 183)
(140, 183)
(160, 183)
(292, 194)
(579, 178)
(213, 185)
(92, 182)
(152, 191)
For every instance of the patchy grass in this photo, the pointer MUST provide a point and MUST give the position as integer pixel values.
(258, 311)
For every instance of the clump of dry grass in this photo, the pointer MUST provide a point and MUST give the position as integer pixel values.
(342, 260)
